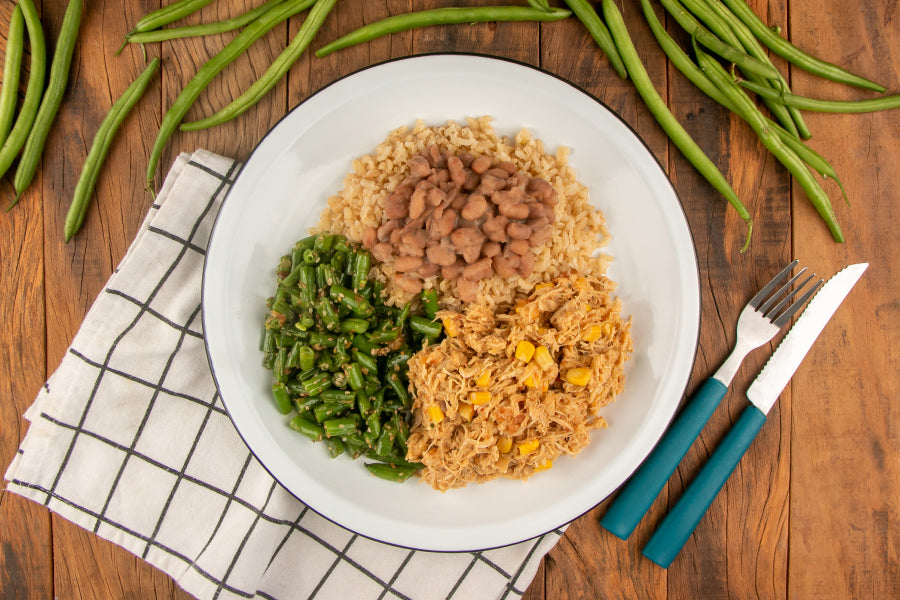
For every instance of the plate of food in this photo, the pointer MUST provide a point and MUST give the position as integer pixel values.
(451, 302)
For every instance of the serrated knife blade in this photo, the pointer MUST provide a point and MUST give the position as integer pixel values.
(771, 381)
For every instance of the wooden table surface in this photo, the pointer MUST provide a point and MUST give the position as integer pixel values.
(812, 510)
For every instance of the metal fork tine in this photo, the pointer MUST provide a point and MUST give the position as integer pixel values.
(764, 292)
(793, 308)
(768, 303)
(772, 313)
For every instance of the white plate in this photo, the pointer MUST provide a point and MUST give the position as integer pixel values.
(281, 192)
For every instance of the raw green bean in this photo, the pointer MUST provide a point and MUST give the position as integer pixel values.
(53, 95)
(792, 53)
(84, 189)
(704, 36)
(168, 14)
(683, 63)
(211, 68)
(33, 93)
(306, 427)
(787, 116)
(829, 106)
(594, 24)
(12, 69)
(223, 26)
(282, 400)
(440, 16)
(747, 111)
(273, 74)
(396, 473)
(665, 118)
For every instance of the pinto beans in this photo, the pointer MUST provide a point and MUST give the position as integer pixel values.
(481, 269)
(464, 217)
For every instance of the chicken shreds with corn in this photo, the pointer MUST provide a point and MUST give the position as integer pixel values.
(511, 389)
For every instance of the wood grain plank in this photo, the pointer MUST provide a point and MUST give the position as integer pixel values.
(845, 497)
(25, 536)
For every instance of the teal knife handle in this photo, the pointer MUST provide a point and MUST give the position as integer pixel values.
(678, 525)
(638, 493)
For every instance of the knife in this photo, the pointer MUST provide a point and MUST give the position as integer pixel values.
(678, 525)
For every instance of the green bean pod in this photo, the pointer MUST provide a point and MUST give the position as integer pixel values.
(747, 111)
(389, 472)
(273, 74)
(665, 118)
(594, 24)
(440, 16)
(53, 95)
(211, 68)
(168, 14)
(33, 93)
(306, 427)
(84, 189)
(12, 69)
(223, 26)
(708, 39)
(792, 53)
(829, 106)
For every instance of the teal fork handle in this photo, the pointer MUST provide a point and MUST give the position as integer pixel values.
(679, 524)
(638, 493)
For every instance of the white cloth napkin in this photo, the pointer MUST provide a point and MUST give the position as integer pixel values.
(129, 439)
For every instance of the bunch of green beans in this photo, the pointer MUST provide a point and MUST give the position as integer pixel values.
(338, 353)
(730, 30)
(35, 90)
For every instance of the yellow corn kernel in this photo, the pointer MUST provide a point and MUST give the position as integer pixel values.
(542, 285)
(593, 333)
(527, 447)
(466, 411)
(504, 444)
(477, 398)
(483, 380)
(529, 381)
(578, 376)
(520, 304)
(435, 413)
(451, 327)
(524, 350)
(542, 358)
(543, 467)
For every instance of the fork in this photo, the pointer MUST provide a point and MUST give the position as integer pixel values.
(763, 316)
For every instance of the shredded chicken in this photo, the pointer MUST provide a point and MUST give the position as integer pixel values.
(523, 414)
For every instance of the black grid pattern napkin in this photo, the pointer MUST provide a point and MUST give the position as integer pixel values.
(129, 439)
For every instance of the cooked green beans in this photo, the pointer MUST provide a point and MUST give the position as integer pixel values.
(664, 117)
(12, 69)
(273, 74)
(830, 106)
(441, 16)
(747, 111)
(792, 53)
(33, 93)
(53, 95)
(169, 14)
(323, 343)
(223, 26)
(84, 189)
(592, 22)
(211, 68)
